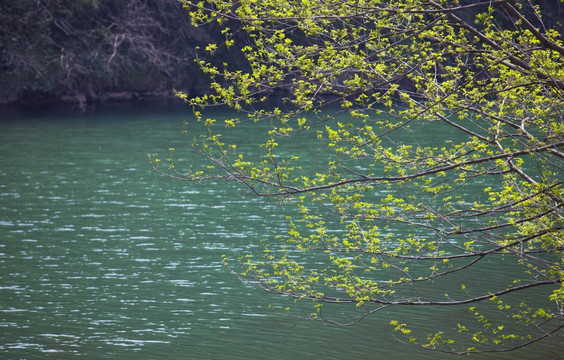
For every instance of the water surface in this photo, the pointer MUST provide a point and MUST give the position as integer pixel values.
(102, 257)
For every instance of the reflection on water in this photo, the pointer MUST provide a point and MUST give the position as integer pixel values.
(101, 257)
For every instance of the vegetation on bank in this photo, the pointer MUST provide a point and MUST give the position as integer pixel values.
(95, 50)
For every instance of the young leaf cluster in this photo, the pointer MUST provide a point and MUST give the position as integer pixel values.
(393, 219)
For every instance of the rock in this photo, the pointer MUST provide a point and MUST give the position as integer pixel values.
(119, 96)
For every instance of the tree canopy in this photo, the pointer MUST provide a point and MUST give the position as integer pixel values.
(83, 50)
(371, 81)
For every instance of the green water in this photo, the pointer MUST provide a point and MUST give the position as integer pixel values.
(100, 257)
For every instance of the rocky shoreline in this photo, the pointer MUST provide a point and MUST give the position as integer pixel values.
(82, 101)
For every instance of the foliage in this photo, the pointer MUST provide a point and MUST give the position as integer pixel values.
(92, 47)
(370, 80)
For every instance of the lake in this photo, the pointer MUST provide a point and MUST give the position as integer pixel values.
(101, 257)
